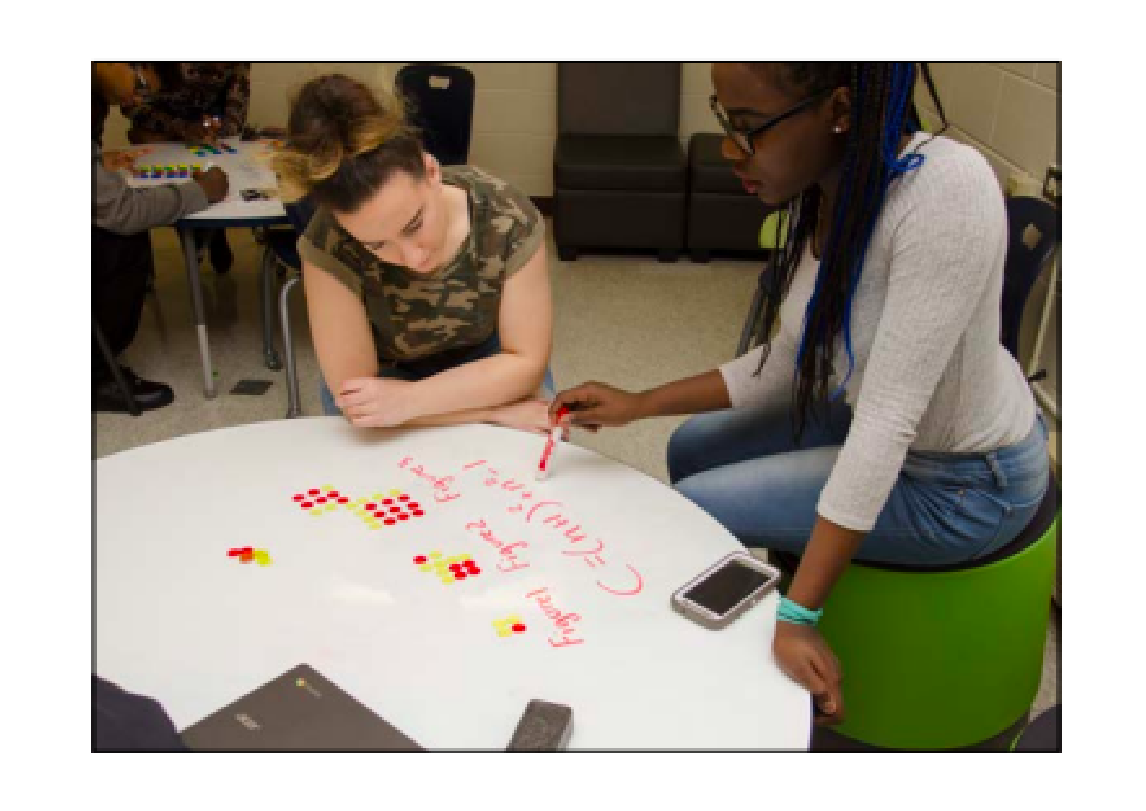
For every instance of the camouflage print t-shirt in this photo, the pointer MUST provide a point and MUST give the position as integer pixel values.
(416, 315)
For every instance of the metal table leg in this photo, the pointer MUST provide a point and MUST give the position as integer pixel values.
(270, 356)
(192, 265)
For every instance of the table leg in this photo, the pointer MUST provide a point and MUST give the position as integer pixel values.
(270, 356)
(192, 263)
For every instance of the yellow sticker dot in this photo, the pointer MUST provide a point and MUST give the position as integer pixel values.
(395, 492)
(447, 580)
(426, 568)
(435, 554)
(379, 496)
(316, 512)
(328, 487)
(375, 526)
(330, 507)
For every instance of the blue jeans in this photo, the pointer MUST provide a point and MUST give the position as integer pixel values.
(428, 367)
(742, 467)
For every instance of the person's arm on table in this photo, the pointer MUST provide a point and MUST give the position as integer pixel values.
(486, 390)
(121, 209)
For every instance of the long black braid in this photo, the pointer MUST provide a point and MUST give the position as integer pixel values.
(881, 111)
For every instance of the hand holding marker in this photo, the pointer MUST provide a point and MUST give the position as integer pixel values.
(550, 443)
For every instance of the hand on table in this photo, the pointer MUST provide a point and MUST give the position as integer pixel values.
(592, 405)
(119, 160)
(203, 132)
(214, 182)
(526, 415)
(805, 657)
(375, 402)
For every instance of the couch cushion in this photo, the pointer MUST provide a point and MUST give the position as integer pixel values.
(711, 171)
(621, 162)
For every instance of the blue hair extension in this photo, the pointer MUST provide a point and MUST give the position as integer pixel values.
(902, 80)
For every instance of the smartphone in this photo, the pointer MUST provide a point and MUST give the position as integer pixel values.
(725, 590)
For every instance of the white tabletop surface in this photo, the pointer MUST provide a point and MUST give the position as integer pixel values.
(181, 621)
(247, 168)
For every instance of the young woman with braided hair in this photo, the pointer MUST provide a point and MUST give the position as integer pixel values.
(426, 286)
(878, 415)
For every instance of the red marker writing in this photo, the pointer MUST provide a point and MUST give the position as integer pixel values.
(550, 443)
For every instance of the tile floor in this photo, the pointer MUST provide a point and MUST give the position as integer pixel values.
(625, 320)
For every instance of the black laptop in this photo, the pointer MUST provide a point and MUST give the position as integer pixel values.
(300, 710)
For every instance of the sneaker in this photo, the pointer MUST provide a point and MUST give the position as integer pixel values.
(107, 396)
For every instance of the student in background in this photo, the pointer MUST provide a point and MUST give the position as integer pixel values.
(879, 415)
(426, 286)
(121, 217)
(211, 102)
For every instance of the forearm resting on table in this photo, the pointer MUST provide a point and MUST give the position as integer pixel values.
(828, 553)
(475, 389)
(692, 395)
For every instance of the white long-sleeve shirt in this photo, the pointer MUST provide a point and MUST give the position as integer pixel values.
(930, 373)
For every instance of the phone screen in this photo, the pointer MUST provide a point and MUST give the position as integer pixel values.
(724, 588)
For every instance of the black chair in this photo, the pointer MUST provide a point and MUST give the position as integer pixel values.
(440, 103)
(116, 372)
(1034, 228)
(619, 171)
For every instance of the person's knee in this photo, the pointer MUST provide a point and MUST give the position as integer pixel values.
(685, 448)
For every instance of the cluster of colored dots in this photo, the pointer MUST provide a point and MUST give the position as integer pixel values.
(509, 626)
(450, 569)
(168, 172)
(377, 511)
(246, 554)
(202, 150)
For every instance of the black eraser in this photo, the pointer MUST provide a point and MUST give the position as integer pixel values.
(544, 727)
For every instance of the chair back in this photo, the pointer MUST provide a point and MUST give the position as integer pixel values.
(440, 103)
(618, 98)
(1034, 228)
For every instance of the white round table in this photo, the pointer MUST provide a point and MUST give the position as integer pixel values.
(582, 564)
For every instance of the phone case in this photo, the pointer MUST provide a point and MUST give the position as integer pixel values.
(715, 622)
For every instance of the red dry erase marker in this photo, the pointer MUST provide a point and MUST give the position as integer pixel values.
(550, 444)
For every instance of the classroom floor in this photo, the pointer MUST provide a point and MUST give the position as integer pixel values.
(630, 321)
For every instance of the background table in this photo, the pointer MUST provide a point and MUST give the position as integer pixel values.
(179, 620)
(246, 168)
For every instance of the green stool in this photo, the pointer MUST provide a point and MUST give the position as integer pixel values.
(943, 658)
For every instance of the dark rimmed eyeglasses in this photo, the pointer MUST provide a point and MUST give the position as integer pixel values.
(743, 138)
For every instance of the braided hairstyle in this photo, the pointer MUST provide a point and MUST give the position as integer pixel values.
(880, 98)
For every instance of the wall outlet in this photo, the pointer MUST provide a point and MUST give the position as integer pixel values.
(1052, 185)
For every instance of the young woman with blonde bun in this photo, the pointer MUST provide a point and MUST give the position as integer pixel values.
(427, 288)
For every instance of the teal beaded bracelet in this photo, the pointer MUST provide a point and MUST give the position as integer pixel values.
(797, 614)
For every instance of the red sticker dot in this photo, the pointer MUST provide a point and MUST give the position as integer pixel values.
(420, 559)
(475, 570)
(459, 575)
(320, 500)
(314, 492)
(371, 506)
(387, 501)
(343, 500)
(306, 505)
(419, 513)
(454, 567)
(517, 629)
(299, 497)
(413, 505)
(379, 515)
(333, 494)
(395, 509)
(390, 521)
(403, 517)
(403, 498)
